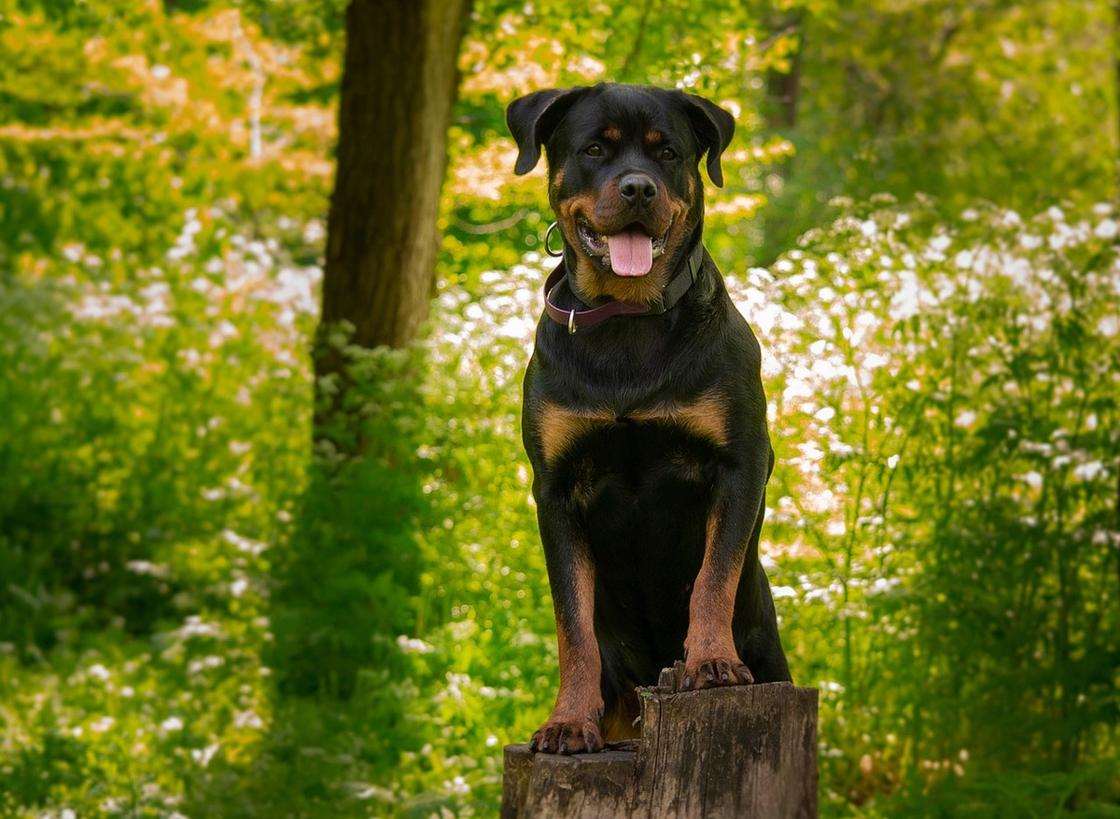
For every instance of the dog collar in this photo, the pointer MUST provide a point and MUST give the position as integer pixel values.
(684, 277)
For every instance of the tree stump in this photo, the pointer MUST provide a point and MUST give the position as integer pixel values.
(741, 751)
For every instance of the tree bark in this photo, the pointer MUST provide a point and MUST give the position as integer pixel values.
(745, 750)
(399, 84)
(780, 225)
(783, 88)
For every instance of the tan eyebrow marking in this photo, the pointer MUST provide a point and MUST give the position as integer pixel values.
(653, 136)
(612, 133)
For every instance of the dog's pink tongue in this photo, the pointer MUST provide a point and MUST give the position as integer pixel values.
(631, 253)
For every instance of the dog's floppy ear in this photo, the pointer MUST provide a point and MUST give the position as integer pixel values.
(532, 118)
(714, 128)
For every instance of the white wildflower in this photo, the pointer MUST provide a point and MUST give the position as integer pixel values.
(243, 544)
(883, 584)
(965, 419)
(248, 719)
(172, 724)
(101, 725)
(203, 755)
(195, 627)
(1088, 471)
(414, 645)
(148, 568)
(822, 501)
(203, 663)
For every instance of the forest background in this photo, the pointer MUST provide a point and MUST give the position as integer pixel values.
(199, 616)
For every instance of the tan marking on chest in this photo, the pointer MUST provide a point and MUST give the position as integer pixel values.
(560, 427)
(706, 417)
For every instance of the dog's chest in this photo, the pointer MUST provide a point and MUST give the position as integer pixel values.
(642, 490)
(635, 456)
(562, 428)
(640, 462)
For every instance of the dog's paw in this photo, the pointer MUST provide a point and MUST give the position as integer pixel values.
(715, 672)
(562, 736)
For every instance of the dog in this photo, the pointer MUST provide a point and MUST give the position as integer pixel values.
(644, 417)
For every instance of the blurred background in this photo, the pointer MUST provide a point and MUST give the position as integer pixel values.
(203, 613)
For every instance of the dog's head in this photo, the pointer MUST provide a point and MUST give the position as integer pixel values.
(624, 177)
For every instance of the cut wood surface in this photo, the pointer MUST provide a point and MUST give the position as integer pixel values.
(741, 751)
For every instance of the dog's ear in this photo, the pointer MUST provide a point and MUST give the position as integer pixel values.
(533, 118)
(714, 128)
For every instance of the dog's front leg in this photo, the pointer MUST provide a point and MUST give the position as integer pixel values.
(573, 726)
(711, 658)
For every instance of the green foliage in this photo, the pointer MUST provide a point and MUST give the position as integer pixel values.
(963, 101)
(199, 618)
(955, 385)
(1012, 103)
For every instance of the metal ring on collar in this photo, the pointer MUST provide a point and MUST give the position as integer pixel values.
(572, 323)
(547, 236)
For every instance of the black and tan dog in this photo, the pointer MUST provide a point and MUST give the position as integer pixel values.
(644, 416)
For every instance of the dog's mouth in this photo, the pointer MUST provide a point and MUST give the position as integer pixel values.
(630, 252)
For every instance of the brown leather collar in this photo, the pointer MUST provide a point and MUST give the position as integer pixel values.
(682, 280)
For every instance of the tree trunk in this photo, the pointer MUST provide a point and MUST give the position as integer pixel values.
(784, 87)
(780, 222)
(399, 83)
(740, 751)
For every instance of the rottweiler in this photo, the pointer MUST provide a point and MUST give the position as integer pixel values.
(644, 417)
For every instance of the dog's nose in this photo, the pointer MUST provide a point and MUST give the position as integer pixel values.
(637, 188)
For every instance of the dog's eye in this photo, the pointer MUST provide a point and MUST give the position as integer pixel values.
(594, 149)
(666, 153)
